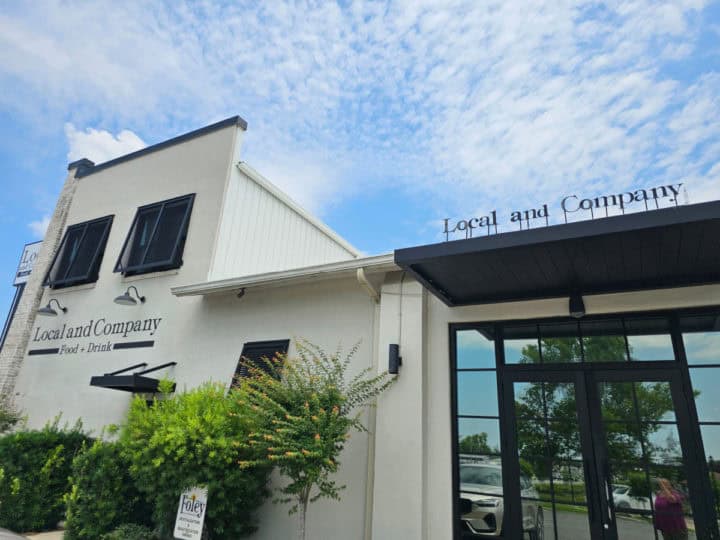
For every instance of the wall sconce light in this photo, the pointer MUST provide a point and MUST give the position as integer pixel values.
(48, 310)
(127, 300)
(394, 361)
(577, 306)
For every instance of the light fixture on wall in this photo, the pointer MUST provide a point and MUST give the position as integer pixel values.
(394, 360)
(48, 310)
(576, 306)
(127, 300)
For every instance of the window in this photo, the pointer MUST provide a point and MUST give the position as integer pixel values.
(257, 353)
(80, 253)
(157, 237)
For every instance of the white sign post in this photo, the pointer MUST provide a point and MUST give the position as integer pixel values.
(191, 514)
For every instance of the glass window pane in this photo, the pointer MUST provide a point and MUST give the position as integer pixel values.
(711, 443)
(649, 338)
(477, 393)
(706, 387)
(529, 400)
(655, 401)
(521, 345)
(662, 443)
(86, 252)
(560, 401)
(603, 341)
(475, 349)
(560, 343)
(167, 232)
(478, 437)
(703, 347)
(69, 251)
(141, 235)
(624, 442)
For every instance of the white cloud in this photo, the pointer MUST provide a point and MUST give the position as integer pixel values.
(100, 145)
(472, 103)
(38, 228)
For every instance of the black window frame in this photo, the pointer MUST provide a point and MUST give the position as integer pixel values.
(176, 256)
(93, 266)
(253, 351)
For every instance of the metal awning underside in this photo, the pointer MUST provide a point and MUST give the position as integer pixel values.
(134, 382)
(663, 248)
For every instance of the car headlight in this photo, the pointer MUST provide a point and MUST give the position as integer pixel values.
(487, 503)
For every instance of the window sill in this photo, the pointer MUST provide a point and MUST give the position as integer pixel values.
(150, 275)
(71, 288)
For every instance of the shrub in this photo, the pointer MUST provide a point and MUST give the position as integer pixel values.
(130, 531)
(9, 416)
(36, 466)
(191, 440)
(103, 495)
(304, 411)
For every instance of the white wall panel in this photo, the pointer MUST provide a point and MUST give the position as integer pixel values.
(260, 232)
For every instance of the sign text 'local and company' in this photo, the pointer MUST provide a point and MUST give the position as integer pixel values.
(570, 204)
(102, 331)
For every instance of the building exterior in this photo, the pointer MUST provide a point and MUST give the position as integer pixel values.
(509, 418)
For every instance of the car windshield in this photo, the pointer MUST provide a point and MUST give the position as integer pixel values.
(622, 490)
(478, 474)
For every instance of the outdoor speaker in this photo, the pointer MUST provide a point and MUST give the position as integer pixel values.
(395, 361)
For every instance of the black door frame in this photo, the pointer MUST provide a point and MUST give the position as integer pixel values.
(677, 370)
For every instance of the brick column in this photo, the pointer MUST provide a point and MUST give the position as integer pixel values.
(16, 342)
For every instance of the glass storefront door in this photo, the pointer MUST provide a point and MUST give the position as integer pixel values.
(595, 435)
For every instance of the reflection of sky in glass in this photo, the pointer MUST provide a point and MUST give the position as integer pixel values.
(706, 381)
(666, 444)
(711, 441)
(702, 347)
(514, 347)
(477, 393)
(474, 350)
(471, 426)
(651, 347)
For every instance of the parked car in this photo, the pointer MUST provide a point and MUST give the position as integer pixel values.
(624, 501)
(481, 502)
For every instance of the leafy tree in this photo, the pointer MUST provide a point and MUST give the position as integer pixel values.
(475, 444)
(305, 409)
(549, 408)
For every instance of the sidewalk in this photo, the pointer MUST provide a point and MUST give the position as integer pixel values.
(54, 535)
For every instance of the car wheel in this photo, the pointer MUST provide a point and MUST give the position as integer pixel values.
(539, 532)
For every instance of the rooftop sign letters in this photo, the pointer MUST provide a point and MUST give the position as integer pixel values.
(591, 207)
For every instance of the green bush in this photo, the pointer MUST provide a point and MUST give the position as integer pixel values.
(191, 439)
(103, 494)
(130, 531)
(36, 466)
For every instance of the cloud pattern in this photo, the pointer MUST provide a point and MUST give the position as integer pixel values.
(468, 104)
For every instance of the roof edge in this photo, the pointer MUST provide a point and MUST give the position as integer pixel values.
(307, 274)
(276, 192)
(228, 122)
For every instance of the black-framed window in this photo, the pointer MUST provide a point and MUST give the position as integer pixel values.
(81, 250)
(157, 237)
(259, 353)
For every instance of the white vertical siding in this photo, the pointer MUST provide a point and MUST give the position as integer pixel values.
(261, 230)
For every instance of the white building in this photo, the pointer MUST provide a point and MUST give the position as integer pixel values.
(227, 263)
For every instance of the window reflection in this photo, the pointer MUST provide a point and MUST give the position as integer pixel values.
(560, 343)
(521, 345)
(477, 437)
(701, 336)
(603, 341)
(475, 349)
(706, 388)
(477, 393)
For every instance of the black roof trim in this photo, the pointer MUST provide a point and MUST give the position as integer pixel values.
(566, 231)
(88, 170)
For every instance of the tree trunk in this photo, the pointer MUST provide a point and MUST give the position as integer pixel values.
(303, 514)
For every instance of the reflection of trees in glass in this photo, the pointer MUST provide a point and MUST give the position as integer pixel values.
(554, 403)
(476, 444)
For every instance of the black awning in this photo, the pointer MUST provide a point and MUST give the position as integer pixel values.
(663, 248)
(135, 382)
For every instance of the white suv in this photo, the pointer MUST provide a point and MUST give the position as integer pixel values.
(482, 502)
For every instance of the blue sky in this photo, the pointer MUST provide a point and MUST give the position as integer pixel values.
(382, 118)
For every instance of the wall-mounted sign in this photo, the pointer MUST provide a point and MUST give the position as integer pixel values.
(591, 207)
(27, 261)
(191, 514)
(93, 336)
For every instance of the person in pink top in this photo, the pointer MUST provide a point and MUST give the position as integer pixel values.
(669, 517)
